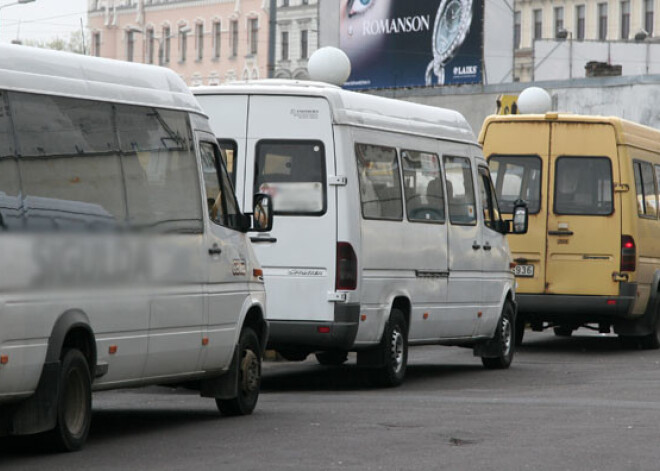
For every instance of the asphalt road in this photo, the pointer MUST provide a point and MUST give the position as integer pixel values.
(580, 403)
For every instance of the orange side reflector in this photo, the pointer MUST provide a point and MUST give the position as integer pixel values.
(479, 314)
(363, 317)
(205, 341)
(426, 315)
(112, 349)
(4, 359)
(258, 272)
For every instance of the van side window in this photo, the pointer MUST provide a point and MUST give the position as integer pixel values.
(646, 190)
(293, 174)
(223, 209)
(460, 191)
(517, 177)
(10, 188)
(422, 183)
(70, 171)
(583, 186)
(488, 200)
(380, 183)
(229, 148)
(657, 179)
(160, 169)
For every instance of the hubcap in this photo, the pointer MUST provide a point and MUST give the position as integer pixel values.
(250, 372)
(396, 349)
(74, 402)
(506, 336)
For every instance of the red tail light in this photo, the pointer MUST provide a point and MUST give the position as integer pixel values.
(346, 278)
(628, 253)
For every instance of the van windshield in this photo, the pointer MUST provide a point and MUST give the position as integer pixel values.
(583, 185)
(517, 177)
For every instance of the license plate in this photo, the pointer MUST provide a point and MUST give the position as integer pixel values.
(524, 270)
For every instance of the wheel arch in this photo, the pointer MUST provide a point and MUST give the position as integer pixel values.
(403, 304)
(72, 330)
(256, 320)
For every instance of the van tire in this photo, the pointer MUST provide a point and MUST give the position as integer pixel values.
(652, 340)
(561, 331)
(394, 350)
(74, 403)
(504, 339)
(332, 358)
(249, 377)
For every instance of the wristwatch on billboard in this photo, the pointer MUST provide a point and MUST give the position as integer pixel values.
(452, 23)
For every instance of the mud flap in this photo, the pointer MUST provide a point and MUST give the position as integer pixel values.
(224, 386)
(38, 413)
(645, 325)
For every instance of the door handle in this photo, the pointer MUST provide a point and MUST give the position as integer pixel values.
(258, 240)
(215, 250)
(560, 233)
(475, 246)
(487, 246)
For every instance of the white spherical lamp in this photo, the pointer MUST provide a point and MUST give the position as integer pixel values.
(330, 65)
(534, 100)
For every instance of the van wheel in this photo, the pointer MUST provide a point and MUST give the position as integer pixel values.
(652, 340)
(505, 339)
(561, 331)
(249, 377)
(394, 348)
(74, 403)
(332, 358)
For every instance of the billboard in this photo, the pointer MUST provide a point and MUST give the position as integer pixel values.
(412, 43)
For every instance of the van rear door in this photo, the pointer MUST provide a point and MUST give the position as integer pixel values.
(290, 155)
(584, 213)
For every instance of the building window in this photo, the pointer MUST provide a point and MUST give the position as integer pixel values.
(579, 21)
(130, 45)
(559, 20)
(217, 31)
(625, 19)
(96, 44)
(305, 2)
(199, 40)
(304, 44)
(234, 38)
(517, 29)
(285, 45)
(285, 3)
(538, 24)
(254, 35)
(166, 45)
(183, 43)
(602, 21)
(150, 46)
(648, 16)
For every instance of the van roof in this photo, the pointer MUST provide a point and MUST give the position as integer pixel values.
(35, 70)
(360, 109)
(626, 132)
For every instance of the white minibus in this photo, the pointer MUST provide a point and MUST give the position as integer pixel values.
(125, 258)
(387, 230)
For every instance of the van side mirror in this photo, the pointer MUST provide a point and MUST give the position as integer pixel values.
(262, 213)
(520, 221)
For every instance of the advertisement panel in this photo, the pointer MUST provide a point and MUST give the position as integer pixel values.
(412, 43)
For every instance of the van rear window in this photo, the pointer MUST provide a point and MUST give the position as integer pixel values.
(517, 177)
(293, 174)
(583, 185)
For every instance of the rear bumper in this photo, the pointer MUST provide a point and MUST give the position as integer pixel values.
(571, 308)
(305, 335)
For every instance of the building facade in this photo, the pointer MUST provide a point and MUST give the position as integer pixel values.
(207, 42)
(296, 38)
(579, 20)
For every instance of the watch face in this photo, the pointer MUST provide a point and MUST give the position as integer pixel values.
(451, 26)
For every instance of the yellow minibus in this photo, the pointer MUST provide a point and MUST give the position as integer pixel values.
(591, 257)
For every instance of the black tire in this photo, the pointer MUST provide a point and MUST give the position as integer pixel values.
(249, 377)
(505, 340)
(520, 329)
(332, 358)
(74, 404)
(394, 348)
(562, 331)
(293, 355)
(652, 340)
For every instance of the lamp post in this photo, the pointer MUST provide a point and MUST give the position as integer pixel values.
(18, 2)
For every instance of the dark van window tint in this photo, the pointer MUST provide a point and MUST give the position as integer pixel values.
(646, 190)
(380, 182)
(69, 163)
(422, 183)
(517, 177)
(293, 174)
(583, 185)
(160, 170)
(10, 202)
(460, 191)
